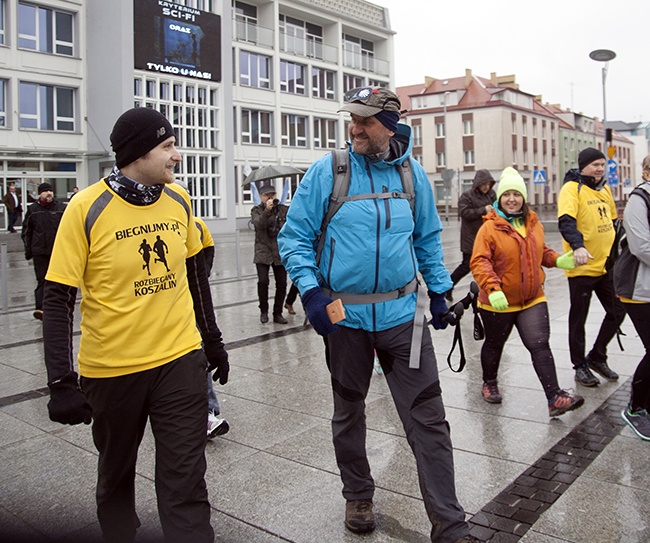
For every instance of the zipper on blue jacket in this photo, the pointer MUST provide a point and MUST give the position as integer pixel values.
(384, 189)
(378, 230)
(329, 266)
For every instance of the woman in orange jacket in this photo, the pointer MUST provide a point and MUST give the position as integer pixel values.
(509, 252)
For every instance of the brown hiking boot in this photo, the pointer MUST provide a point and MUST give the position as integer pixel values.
(359, 517)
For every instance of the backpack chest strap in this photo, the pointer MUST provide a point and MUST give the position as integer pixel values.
(372, 196)
(374, 297)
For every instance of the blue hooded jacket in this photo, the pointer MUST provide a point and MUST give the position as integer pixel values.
(370, 245)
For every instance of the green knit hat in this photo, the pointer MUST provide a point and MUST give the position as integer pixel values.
(511, 180)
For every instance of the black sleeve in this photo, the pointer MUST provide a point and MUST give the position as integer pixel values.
(197, 279)
(208, 252)
(58, 318)
(569, 230)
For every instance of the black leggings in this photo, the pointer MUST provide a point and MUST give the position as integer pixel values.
(640, 315)
(534, 330)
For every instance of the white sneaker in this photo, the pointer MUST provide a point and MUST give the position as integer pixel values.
(216, 426)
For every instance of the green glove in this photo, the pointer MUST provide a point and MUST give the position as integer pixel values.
(498, 300)
(566, 261)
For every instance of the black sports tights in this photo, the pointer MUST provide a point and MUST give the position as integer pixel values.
(534, 329)
(640, 315)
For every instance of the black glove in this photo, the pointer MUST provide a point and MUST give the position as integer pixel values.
(314, 302)
(67, 403)
(438, 308)
(217, 357)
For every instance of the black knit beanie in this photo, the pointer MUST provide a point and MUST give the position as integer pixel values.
(587, 156)
(136, 132)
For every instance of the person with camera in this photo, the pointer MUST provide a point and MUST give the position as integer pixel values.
(268, 218)
(509, 252)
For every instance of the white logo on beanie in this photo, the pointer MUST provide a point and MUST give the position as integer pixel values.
(161, 132)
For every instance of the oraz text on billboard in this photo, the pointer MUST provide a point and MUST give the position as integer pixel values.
(176, 40)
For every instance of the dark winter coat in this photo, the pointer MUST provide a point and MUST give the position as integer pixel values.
(40, 226)
(504, 260)
(267, 226)
(471, 208)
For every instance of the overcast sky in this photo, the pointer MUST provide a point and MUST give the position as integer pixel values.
(545, 44)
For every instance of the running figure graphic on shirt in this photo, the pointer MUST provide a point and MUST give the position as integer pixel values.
(160, 248)
(145, 251)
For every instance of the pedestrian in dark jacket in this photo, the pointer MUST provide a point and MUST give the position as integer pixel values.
(268, 218)
(473, 204)
(39, 230)
(14, 209)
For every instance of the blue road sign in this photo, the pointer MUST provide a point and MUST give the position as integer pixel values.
(612, 172)
(539, 177)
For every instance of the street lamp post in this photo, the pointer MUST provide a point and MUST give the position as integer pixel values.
(603, 55)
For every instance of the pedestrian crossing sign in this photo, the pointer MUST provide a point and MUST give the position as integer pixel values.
(539, 177)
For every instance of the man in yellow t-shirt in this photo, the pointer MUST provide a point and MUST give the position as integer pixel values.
(586, 211)
(140, 356)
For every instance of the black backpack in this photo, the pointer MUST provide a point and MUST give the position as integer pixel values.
(626, 265)
(620, 241)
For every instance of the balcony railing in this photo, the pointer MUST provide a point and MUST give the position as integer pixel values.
(358, 61)
(307, 48)
(252, 33)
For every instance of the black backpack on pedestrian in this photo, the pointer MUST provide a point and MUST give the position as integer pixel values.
(625, 265)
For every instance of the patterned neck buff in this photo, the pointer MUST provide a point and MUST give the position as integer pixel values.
(133, 192)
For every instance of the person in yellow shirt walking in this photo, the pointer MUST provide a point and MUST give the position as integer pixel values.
(140, 356)
(586, 211)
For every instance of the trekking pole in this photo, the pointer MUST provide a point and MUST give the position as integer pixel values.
(4, 266)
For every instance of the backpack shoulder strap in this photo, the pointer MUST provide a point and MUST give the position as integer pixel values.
(646, 197)
(406, 175)
(341, 183)
(340, 187)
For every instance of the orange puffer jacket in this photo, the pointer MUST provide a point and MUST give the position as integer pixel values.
(504, 260)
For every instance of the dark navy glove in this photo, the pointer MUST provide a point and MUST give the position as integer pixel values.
(314, 302)
(217, 357)
(438, 308)
(67, 404)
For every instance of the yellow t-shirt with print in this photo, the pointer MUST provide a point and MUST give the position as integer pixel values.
(204, 232)
(136, 309)
(594, 211)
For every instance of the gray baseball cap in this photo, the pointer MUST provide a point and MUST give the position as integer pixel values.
(368, 101)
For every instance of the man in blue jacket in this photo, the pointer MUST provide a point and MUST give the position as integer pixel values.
(372, 251)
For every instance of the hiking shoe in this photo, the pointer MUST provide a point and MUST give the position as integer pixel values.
(216, 426)
(290, 309)
(491, 392)
(467, 539)
(38, 314)
(564, 402)
(359, 517)
(602, 368)
(449, 295)
(280, 319)
(264, 318)
(585, 377)
(639, 421)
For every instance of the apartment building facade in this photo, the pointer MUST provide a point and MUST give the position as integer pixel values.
(244, 84)
(293, 62)
(468, 123)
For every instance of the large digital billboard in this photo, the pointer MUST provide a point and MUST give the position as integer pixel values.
(176, 40)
